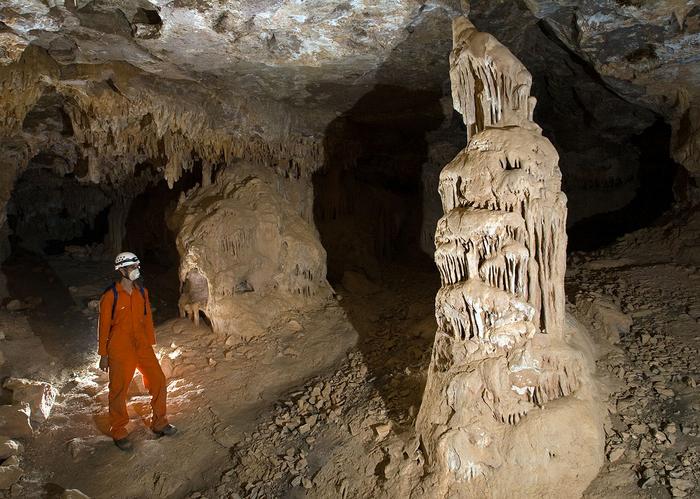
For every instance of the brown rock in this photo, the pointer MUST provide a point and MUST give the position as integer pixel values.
(14, 420)
(9, 476)
(9, 448)
(39, 395)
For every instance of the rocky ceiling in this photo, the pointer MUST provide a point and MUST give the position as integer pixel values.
(123, 81)
(314, 57)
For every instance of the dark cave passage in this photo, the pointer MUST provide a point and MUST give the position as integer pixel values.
(653, 195)
(368, 194)
(60, 257)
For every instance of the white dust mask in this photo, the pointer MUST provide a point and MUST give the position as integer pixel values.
(134, 274)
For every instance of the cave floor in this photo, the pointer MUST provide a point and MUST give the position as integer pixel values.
(217, 389)
(324, 404)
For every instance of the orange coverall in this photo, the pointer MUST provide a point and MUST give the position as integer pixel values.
(127, 341)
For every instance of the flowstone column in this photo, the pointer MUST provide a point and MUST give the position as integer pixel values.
(504, 348)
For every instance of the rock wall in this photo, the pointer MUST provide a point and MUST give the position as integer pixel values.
(247, 254)
(504, 350)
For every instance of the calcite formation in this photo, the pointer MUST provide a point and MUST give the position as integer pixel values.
(504, 347)
(246, 254)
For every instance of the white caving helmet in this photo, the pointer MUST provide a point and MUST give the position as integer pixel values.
(125, 259)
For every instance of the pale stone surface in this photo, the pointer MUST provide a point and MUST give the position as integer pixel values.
(246, 255)
(39, 395)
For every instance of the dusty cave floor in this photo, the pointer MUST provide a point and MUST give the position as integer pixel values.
(310, 410)
(218, 387)
(652, 441)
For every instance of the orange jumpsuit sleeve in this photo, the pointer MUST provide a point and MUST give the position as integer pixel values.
(150, 329)
(104, 323)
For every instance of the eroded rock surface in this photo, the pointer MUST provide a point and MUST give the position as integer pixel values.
(246, 255)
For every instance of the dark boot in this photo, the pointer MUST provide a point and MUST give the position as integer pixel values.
(124, 444)
(167, 431)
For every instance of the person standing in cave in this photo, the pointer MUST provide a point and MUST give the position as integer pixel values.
(126, 338)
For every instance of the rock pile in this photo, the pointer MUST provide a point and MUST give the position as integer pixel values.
(275, 457)
(654, 410)
(31, 402)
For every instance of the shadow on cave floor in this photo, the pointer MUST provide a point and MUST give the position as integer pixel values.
(368, 208)
(395, 321)
(62, 320)
(65, 332)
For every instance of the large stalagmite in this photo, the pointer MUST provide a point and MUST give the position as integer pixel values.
(509, 406)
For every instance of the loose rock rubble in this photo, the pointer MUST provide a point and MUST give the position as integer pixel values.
(274, 458)
(654, 407)
(40, 396)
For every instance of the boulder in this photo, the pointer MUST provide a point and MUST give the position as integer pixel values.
(14, 420)
(39, 395)
(15, 305)
(9, 447)
(613, 322)
(9, 476)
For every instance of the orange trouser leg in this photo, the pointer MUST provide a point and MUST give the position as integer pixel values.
(121, 372)
(154, 380)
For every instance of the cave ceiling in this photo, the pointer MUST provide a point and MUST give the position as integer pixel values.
(130, 79)
(314, 57)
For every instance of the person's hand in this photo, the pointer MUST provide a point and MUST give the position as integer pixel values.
(104, 363)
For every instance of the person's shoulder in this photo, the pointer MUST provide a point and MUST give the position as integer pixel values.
(109, 291)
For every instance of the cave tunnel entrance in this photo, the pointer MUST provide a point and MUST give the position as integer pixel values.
(652, 184)
(368, 194)
(69, 214)
(369, 208)
(148, 236)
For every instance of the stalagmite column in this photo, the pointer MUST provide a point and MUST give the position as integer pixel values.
(502, 350)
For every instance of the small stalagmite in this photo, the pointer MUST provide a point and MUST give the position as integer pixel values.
(504, 348)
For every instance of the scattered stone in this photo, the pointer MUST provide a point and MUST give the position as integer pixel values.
(639, 429)
(14, 420)
(681, 484)
(9, 448)
(649, 482)
(73, 494)
(382, 430)
(39, 395)
(294, 326)
(616, 454)
(9, 475)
